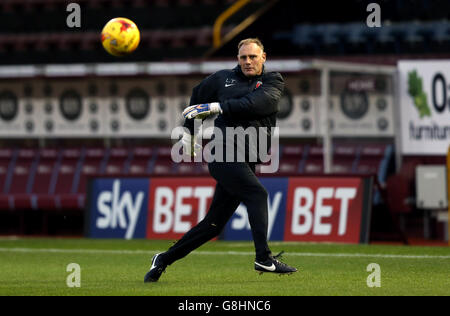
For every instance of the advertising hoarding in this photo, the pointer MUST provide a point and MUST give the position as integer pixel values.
(424, 107)
(319, 209)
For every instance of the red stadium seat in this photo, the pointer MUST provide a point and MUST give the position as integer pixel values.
(163, 167)
(21, 178)
(187, 168)
(344, 158)
(290, 159)
(140, 163)
(44, 179)
(163, 164)
(117, 161)
(370, 158)
(6, 156)
(314, 162)
(92, 165)
(68, 173)
(6, 159)
(44, 174)
(22, 170)
(289, 166)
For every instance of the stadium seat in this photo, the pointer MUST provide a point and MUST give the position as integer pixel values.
(374, 159)
(6, 157)
(20, 186)
(384, 40)
(187, 168)
(44, 177)
(355, 38)
(441, 31)
(302, 36)
(118, 161)
(163, 164)
(370, 35)
(68, 175)
(314, 160)
(141, 162)
(44, 173)
(345, 158)
(93, 163)
(290, 159)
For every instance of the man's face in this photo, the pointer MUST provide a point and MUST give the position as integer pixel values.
(251, 59)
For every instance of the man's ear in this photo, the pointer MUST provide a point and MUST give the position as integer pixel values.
(264, 57)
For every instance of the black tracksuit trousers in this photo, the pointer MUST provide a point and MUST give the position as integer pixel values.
(236, 183)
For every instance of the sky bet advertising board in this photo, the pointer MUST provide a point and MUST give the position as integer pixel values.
(318, 209)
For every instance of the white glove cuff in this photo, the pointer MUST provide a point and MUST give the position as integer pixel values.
(215, 107)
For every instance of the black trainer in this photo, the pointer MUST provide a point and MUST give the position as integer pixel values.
(273, 265)
(157, 268)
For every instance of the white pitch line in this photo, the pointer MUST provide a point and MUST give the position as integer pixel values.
(240, 253)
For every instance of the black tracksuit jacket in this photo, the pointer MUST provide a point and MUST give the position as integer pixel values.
(245, 101)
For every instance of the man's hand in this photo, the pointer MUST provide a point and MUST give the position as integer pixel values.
(201, 111)
(189, 144)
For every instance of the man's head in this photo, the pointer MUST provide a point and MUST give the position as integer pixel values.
(251, 56)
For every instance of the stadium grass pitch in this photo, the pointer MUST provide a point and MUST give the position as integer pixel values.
(117, 267)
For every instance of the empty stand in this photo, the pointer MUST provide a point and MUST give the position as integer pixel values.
(56, 179)
(93, 163)
(142, 161)
(6, 158)
(187, 168)
(348, 38)
(44, 175)
(68, 175)
(290, 159)
(314, 161)
(163, 164)
(374, 159)
(37, 31)
(118, 161)
(44, 179)
(21, 178)
(345, 158)
(67, 171)
(21, 171)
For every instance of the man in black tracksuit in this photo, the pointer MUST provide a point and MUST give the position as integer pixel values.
(245, 96)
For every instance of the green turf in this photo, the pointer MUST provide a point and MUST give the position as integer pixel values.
(117, 267)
